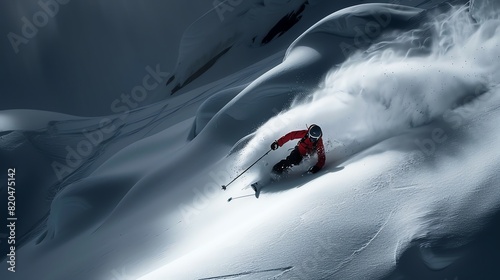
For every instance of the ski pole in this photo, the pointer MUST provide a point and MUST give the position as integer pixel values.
(225, 186)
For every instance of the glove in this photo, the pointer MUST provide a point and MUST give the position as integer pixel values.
(313, 169)
(274, 145)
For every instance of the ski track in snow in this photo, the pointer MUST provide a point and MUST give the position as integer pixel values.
(349, 259)
(255, 273)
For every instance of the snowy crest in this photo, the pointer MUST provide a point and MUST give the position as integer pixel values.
(402, 81)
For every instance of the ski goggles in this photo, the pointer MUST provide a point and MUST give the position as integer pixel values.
(312, 137)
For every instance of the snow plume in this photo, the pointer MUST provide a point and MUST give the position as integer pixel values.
(402, 81)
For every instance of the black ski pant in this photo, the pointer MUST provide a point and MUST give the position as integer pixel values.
(294, 158)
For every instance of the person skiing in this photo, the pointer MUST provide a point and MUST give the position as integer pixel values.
(310, 142)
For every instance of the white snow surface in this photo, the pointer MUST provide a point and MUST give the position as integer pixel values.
(410, 120)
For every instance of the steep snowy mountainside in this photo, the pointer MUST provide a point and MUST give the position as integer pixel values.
(419, 192)
(66, 149)
(410, 119)
(236, 33)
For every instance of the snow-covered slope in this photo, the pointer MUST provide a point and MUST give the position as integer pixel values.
(234, 34)
(408, 100)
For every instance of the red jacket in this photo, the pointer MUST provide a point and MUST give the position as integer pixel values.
(306, 147)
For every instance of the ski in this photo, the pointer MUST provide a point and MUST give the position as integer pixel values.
(255, 187)
(273, 178)
(238, 197)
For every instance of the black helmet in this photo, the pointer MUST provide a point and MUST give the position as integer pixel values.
(314, 132)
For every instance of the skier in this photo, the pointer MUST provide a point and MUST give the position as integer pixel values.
(311, 141)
